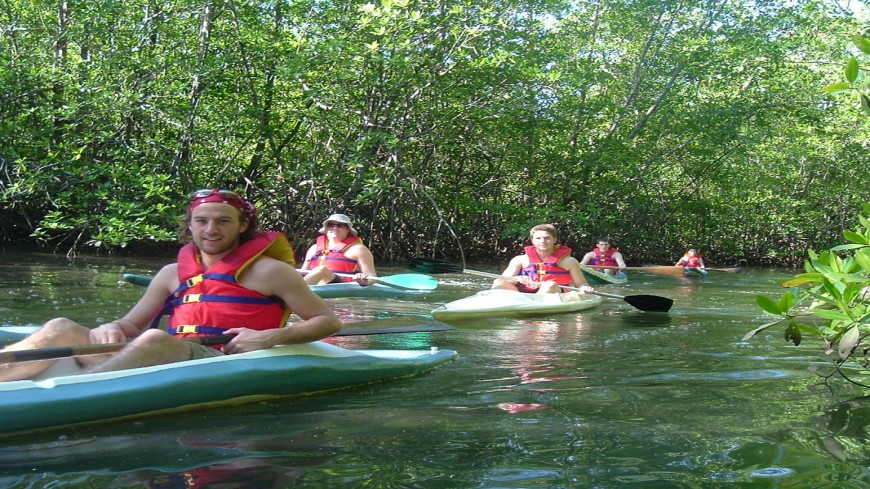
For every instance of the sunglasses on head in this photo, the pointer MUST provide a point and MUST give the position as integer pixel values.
(227, 194)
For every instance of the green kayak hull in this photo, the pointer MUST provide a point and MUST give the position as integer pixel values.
(326, 291)
(233, 379)
(597, 277)
(695, 272)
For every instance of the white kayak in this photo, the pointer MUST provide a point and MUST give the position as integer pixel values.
(508, 303)
(67, 397)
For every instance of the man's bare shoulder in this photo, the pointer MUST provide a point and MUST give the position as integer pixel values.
(166, 279)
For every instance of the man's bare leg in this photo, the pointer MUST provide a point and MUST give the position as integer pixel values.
(153, 347)
(55, 333)
(320, 275)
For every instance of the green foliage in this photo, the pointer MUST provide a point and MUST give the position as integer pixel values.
(834, 290)
(855, 82)
(447, 128)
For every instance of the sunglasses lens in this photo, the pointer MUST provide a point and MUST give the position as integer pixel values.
(227, 194)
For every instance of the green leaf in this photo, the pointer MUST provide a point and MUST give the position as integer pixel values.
(854, 237)
(838, 87)
(852, 70)
(801, 279)
(787, 301)
(848, 342)
(831, 314)
(768, 305)
(865, 103)
(861, 43)
(760, 329)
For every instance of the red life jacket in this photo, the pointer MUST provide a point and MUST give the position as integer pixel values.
(604, 260)
(548, 269)
(334, 258)
(692, 261)
(208, 302)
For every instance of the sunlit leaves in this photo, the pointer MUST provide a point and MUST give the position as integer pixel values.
(838, 282)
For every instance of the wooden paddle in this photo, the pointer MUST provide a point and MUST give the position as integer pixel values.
(73, 351)
(650, 303)
(404, 281)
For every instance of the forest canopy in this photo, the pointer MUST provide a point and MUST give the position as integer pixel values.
(443, 128)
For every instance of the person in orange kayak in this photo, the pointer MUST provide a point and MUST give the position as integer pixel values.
(605, 255)
(229, 279)
(692, 259)
(338, 255)
(544, 267)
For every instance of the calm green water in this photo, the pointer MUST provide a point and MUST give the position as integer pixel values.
(609, 398)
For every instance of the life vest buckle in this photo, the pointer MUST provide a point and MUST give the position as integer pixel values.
(187, 329)
(194, 280)
(190, 298)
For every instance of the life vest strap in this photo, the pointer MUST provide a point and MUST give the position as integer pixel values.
(196, 329)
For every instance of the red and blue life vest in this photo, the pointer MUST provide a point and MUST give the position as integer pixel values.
(692, 261)
(548, 269)
(604, 259)
(334, 258)
(208, 302)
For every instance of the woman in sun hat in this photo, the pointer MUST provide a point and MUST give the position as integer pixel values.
(338, 250)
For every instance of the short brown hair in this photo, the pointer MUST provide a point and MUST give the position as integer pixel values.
(547, 228)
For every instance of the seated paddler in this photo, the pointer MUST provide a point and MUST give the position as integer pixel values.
(544, 267)
(338, 255)
(229, 279)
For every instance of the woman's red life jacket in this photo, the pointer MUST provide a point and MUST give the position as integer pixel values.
(334, 258)
(208, 302)
(544, 270)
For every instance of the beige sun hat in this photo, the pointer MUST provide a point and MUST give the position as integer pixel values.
(339, 218)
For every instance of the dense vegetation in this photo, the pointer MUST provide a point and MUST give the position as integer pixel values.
(444, 128)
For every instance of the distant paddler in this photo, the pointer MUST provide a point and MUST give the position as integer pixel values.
(338, 250)
(605, 255)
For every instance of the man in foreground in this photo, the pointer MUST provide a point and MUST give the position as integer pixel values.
(231, 279)
(544, 267)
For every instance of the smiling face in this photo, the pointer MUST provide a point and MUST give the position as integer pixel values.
(337, 231)
(215, 228)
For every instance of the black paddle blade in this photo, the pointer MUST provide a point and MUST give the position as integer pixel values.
(650, 303)
(433, 265)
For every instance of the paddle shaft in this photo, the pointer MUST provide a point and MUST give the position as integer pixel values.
(73, 351)
(668, 269)
(382, 281)
(424, 280)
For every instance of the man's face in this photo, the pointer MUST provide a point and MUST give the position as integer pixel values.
(543, 240)
(603, 246)
(337, 230)
(216, 227)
